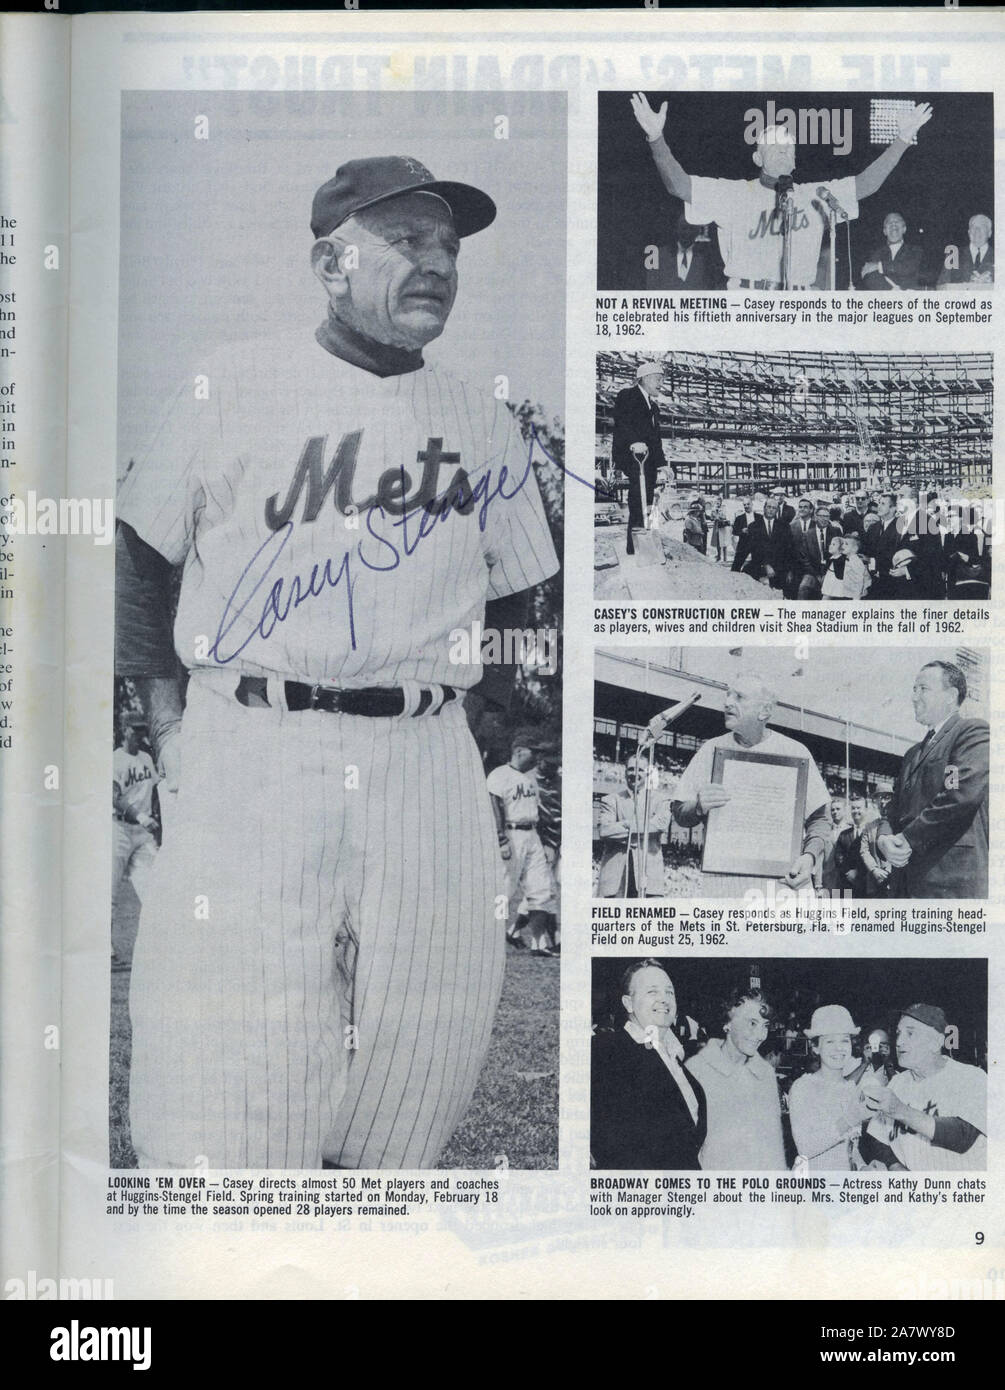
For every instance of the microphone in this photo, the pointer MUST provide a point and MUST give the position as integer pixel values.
(783, 189)
(827, 197)
(659, 722)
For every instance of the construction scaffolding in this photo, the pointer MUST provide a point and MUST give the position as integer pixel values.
(734, 421)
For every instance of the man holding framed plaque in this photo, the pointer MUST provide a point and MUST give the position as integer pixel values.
(759, 795)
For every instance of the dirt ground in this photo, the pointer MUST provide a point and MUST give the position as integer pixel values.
(683, 573)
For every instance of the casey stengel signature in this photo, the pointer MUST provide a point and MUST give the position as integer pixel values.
(268, 607)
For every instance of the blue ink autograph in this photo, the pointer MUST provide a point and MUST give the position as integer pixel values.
(286, 594)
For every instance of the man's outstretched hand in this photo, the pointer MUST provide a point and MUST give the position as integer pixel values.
(910, 123)
(652, 122)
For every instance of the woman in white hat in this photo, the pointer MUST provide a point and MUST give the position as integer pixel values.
(825, 1109)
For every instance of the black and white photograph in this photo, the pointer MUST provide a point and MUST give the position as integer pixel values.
(842, 477)
(337, 785)
(797, 191)
(756, 774)
(775, 1064)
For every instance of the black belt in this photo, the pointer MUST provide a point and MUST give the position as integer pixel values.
(379, 702)
(521, 825)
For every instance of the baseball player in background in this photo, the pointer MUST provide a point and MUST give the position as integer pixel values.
(134, 848)
(318, 962)
(747, 212)
(515, 800)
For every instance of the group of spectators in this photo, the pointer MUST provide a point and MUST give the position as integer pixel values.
(882, 544)
(666, 1096)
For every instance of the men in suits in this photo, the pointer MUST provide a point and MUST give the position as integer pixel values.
(812, 551)
(798, 526)
(786, 510)
(849, 869)
(975, 264)
(628, 840)
(637, 446)
(853, 517)
(894, 266)
(765, 549)
(968, 559)
(929, 569)
(882, 542)
(646, 1111)
(936, 828)
(688, 264)
(750, 538)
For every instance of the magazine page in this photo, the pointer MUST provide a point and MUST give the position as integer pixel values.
(34, 299)
(543, 671)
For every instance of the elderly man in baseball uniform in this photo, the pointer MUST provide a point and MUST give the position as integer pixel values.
(319, 962)
(750, 703)
(748, 212)
(935, 1109)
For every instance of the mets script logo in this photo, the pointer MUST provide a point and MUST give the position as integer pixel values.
(394, 493)
(770, 223)
(135, 775)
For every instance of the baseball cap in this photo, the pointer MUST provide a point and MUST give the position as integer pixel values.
(929, 1014)
(361, 183)
(648, 369)
(832, 1018)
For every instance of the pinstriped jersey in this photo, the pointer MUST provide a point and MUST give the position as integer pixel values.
(335, 526)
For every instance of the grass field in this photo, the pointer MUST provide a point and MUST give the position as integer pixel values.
(514, 1111)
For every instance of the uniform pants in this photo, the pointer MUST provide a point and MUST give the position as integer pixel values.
(319, 961)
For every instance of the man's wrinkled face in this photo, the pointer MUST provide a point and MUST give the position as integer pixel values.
(403, 288)
(650, 383)
(777, 154)
(746, 709)
(894, 228)
(917, 1044)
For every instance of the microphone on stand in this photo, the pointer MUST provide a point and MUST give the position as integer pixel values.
(659, 722)
(783, 190)
(826, 196)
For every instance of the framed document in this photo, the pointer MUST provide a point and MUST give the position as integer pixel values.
(760, 829)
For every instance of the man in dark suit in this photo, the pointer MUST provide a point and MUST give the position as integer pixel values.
(786, 510)
(968, 558)
(936, 828)
(882, 541)
(751, 546)
(812, 551)
(929, 571)
(975, 264)
(646, 1111)
(687, 265)
(637, 446)
(853, 518)
(894, 266)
